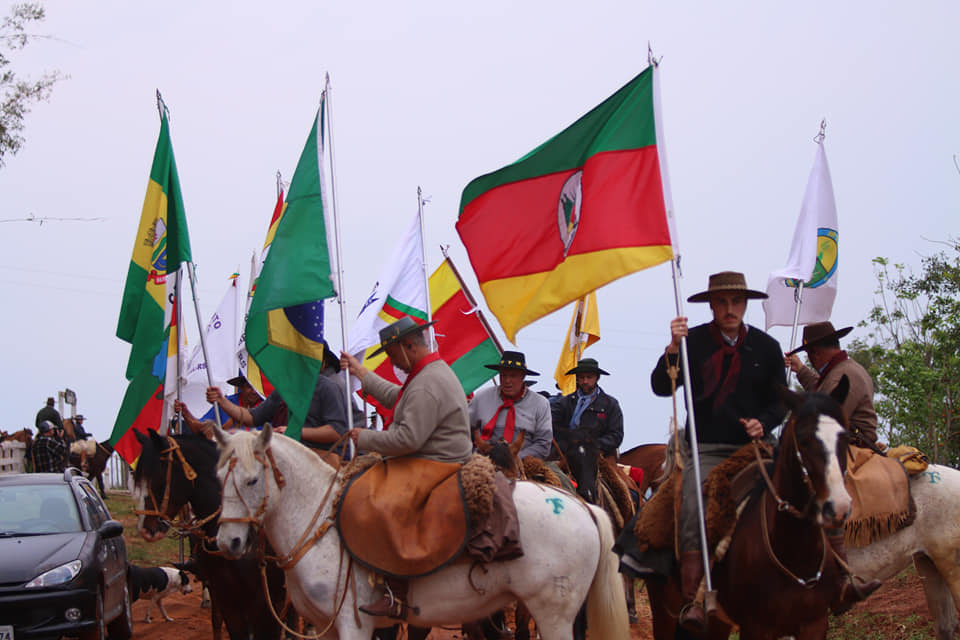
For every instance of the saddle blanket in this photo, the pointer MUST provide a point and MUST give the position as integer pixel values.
(880, 490)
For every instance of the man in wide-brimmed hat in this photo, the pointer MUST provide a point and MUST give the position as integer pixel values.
(734, 373)
(499, 412)
(590, 407)
(430, 427)
(889, 486)
(830, 363)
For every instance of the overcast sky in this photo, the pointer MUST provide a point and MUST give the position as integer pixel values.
(435, 94)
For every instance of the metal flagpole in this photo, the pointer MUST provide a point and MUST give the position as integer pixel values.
(179, 316)
(423, 263)
(796, 322)
(328, 107)
(203, 341)
(692, 432)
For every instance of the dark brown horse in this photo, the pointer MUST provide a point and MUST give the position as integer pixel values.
(179, 470)
(778, 576)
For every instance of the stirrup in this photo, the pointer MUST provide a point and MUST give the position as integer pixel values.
(690, 620)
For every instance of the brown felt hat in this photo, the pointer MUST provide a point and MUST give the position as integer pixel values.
(726, 281)
(818, 333)
(392, 333)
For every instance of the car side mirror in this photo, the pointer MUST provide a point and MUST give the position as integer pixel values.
(110, 529)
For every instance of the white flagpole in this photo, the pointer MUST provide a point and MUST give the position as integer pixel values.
(203, 343)
(178, 288)
(423, 262)
(328, 105)
(796, 322)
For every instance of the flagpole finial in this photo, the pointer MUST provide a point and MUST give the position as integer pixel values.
(823, 132)
(652, 60)
(443, 249)
(279, 183)
(162, 107)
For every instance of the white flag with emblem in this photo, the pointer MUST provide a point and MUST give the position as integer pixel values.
(813, 256)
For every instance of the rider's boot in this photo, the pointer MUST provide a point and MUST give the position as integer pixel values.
(692, 616)
(850, 593)
(393, 604)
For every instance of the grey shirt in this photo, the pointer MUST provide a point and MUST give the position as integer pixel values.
(326, 407)
(532, 416)
(430, 419)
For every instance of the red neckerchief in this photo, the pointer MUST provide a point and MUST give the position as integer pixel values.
(508, 403)
(417, 368)
(834, 361)
(714, 366)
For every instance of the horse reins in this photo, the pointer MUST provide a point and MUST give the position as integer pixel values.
(167, 455)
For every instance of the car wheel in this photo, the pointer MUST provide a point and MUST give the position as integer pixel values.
(122, 627)
(99, 632)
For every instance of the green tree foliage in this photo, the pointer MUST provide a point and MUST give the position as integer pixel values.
(913, 353)
(16, 94)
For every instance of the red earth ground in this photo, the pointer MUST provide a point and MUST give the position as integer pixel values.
(897, 610)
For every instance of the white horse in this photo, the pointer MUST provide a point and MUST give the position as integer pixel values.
(567, 546)
(932, 542)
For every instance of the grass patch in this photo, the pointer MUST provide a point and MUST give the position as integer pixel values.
(139, 551)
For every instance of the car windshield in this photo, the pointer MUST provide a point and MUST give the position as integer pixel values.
(38, 509)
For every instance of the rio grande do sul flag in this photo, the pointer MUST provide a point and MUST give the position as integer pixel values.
(581, 210)
(162, 243)
(284, 330)
(813, 256)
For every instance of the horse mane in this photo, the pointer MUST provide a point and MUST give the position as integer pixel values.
(202, 454)
(239, 446)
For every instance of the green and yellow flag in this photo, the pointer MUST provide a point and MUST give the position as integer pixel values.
(161, 245)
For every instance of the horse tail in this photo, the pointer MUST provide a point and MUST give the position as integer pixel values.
(606, 601)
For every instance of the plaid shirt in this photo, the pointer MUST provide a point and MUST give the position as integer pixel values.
(49, 454)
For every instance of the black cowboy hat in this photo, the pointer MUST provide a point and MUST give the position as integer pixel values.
(79, 417)
(512, 360)
(587, 365)
(392, 333)
(329, 357)
(726, 281)
(819, 332)
(237, 381)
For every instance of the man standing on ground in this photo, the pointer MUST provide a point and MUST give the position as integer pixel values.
(50, 449)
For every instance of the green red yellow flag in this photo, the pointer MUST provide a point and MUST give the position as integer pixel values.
(579, 211)
(162, 243)
(284, 330)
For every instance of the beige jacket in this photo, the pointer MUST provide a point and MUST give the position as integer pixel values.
(859, 403)
(431, 420)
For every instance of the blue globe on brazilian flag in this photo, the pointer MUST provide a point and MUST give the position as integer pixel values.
(826, 264)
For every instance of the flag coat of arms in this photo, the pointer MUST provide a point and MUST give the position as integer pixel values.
(162, 243)
(584, 330)
(813, 256)
(284, 329)
(581, 210)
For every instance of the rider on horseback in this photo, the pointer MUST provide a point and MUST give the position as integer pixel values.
(499, 412)
(734, 371)
(430, 419)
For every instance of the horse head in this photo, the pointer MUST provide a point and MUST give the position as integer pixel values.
(813, 450)
(582, 453)
(164, 482)
(242, 471)
(503, 454)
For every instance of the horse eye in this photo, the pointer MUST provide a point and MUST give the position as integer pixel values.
(251, 482)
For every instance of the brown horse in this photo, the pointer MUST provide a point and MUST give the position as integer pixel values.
(650, 458)
(778, 576)
(94, 466)
(24, 436)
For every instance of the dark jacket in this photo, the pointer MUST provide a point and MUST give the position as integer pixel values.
(51, 414)
(603, 418)
(755, 396)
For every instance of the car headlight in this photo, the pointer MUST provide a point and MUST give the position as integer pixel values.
(60, 575)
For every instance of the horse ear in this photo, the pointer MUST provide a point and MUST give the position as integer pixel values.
(840, 392)
(791, 399)
(481, 445)
(517, 443)
(263, 441)
(221, 436)
(156, 438)
(142, 438)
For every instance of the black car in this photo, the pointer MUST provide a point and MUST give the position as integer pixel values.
(63, 562)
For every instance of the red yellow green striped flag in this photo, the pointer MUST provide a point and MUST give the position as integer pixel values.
(579, 211)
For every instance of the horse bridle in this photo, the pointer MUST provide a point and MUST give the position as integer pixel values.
(785, 506)
(167, 456)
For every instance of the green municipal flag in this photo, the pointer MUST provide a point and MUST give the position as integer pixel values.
(162, 243)
(284, 331)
